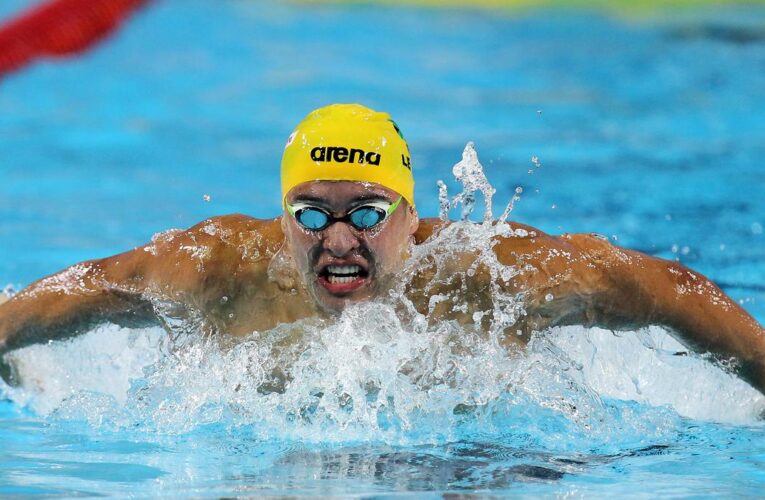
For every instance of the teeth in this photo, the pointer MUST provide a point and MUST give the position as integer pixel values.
(343, 274)
(343, 269)
(340, 279)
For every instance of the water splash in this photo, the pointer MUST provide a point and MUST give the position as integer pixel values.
(511, 204)
(469, 172)
(369, 377)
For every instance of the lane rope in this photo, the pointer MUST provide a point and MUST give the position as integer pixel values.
(59, 28)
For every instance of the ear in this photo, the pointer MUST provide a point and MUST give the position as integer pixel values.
(283, 221)
(414, 220)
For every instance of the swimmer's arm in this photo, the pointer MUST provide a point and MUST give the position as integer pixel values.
(192, 269)
(636, 290)
(71, 302)
(113, 289)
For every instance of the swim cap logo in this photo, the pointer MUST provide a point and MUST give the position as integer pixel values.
(342, 155)
(395, 126)
(406, 161)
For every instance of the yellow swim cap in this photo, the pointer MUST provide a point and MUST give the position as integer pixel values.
(348, 142)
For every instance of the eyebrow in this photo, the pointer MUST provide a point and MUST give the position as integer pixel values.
(322, 202)
(307, 198)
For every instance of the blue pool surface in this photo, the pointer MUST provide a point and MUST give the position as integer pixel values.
(649, 130)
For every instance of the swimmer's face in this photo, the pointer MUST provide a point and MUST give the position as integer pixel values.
(342, 264)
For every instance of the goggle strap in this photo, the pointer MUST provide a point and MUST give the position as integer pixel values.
(393, 207)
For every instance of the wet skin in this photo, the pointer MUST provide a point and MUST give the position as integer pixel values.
(238, 275)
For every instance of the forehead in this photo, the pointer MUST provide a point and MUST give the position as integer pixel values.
(339, 192)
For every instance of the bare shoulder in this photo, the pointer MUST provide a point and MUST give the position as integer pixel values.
(179, 262)
(254, 238)
(524, 243)
(237, 237)
(590, 249)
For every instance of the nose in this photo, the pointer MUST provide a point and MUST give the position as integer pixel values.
(339, 239)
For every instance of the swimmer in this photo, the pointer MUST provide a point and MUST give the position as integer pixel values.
(348, 225)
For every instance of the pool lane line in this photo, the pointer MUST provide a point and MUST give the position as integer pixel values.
(59, 28)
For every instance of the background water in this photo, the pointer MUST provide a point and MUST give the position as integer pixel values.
(649, 130)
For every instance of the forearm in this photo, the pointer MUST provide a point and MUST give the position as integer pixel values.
(66, 304)
(703, 317)
(626, 289)
(707, 320)
(51, 317)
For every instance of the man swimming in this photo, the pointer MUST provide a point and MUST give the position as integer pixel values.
(349, 225)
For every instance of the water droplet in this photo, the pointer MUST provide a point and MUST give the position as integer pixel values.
(614, 237)
(549, 297)
(722, 247)
(756, 228)
(206, 197)
(230, 315)
(443, 201)
(685, 250)
(223, 299)
(675, 248)
(668, 217)
(554, 206)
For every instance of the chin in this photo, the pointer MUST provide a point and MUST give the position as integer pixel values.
(336, 304)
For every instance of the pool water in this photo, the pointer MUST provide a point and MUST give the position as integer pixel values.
(644, 128)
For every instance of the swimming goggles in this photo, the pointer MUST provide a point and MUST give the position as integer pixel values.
(363, 217)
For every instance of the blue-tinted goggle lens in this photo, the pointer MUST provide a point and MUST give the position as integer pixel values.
(361, 218)
(312, 218)
(366, 217)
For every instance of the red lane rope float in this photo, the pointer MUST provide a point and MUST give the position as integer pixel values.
(59, 28)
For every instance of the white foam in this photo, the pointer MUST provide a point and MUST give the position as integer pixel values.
(644, 366)
(132, 378)
(104, 361)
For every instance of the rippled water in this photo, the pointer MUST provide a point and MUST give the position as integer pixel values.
(640, 128)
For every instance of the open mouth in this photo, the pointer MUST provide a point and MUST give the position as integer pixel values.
(343, 274)
(342, 279)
